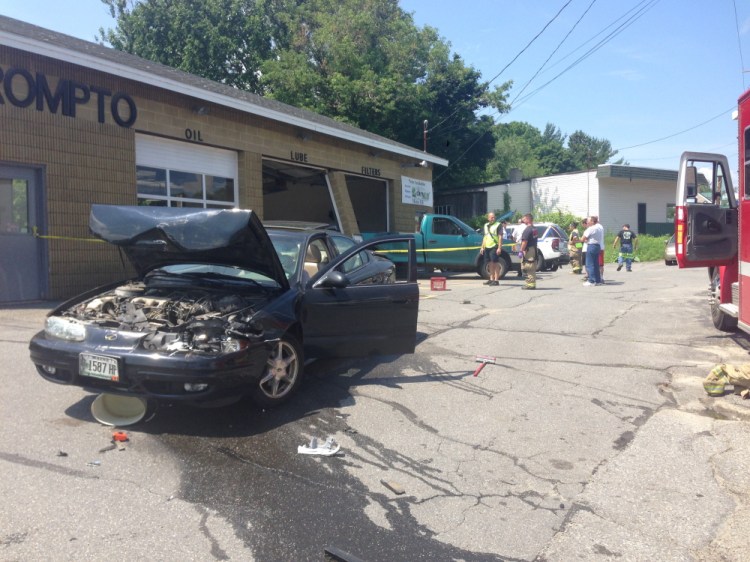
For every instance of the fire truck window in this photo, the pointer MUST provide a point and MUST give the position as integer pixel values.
(705, 191)
(720, 189)
(746, 157)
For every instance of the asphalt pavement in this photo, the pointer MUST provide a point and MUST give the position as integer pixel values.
(587, 436)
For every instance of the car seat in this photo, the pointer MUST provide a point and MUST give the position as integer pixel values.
(312, 260)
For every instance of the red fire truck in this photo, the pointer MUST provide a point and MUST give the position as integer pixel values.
(712, 229)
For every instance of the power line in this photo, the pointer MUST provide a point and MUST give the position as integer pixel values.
(530, 42)
(639, 9)
(678, 133)
(619, 29)
(511, 62)
(552, 54)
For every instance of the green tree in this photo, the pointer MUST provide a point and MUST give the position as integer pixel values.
(362, 62)
(552, 154)
(587, 152)
(535, 153)
(383, 74)
(516, 146)
(222, 40)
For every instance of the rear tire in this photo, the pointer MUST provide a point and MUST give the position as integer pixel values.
(722, 321)
(539, 261)
(504, 267)
(484, 268)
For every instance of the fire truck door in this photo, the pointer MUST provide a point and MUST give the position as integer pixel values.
(706, 230)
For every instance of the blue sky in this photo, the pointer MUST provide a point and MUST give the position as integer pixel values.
(678, 66)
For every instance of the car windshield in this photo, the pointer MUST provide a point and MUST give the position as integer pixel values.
(288, 246)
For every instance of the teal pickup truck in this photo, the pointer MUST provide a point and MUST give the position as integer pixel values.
(448, 244)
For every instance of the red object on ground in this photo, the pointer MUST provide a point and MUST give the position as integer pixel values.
(437, 283)
(120, 436)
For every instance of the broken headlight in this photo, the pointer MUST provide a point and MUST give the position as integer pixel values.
(65, 328)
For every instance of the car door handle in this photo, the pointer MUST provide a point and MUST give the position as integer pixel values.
(432, 241)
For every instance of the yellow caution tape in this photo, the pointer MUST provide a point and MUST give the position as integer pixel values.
(36, 234)
(437, 249)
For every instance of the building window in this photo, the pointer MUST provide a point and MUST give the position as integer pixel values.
(175, 188)
(14, 206)
(444, 209)
(173, 173)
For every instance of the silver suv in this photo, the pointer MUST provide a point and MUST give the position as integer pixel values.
(552, 242)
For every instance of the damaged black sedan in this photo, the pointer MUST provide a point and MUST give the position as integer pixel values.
(223, 307)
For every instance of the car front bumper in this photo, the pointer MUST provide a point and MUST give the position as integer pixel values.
(155, 375)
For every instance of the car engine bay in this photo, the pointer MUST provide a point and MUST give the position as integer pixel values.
(175, 319)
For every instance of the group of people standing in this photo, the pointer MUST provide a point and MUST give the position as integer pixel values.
(586, 250)
(525, 245)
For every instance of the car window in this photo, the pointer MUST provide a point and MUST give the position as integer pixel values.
(355, 262)
(342, 243)
(559, 233)
(445, 226)
(288, 251)
(316, 256)
(366, 268)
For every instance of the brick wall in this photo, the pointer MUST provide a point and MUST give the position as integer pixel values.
(84, 161)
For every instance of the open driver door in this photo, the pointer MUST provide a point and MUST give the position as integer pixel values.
(706, 231)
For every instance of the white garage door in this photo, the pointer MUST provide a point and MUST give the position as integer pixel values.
(182, 174)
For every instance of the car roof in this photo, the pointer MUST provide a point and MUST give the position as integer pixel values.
(537, 224)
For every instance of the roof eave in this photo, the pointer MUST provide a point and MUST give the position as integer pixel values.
(93, 62)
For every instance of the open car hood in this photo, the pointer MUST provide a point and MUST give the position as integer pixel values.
(153, 237)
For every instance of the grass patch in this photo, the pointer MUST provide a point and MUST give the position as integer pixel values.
(650, 248)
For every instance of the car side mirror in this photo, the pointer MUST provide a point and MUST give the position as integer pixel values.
(333, 280)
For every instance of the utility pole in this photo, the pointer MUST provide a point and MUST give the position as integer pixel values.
(424, 137)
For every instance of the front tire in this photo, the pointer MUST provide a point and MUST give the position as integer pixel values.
(282, 375)
(722, 321)
(483, 268)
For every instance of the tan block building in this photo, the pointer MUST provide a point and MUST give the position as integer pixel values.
(81, 123)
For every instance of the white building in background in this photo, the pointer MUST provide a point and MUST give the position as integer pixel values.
(640, 197)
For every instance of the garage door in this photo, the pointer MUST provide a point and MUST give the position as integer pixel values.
(182, 174)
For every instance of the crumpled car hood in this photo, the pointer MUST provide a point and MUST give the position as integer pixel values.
(153, 237)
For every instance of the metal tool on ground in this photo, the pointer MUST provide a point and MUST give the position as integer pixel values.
(483, 360)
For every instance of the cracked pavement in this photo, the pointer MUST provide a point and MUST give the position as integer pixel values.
(589, 438)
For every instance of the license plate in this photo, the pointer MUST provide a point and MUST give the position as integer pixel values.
(98, 367)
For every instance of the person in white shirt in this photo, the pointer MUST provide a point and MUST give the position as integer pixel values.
(584, 226)
(593, 236)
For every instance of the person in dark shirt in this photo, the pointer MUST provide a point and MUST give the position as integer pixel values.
(628, 245)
